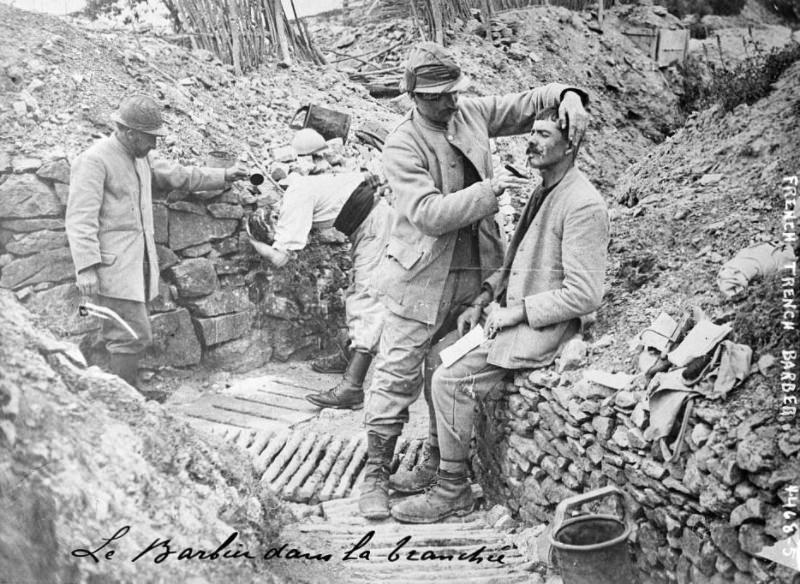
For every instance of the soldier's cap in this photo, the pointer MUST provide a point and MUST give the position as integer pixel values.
(142, 113)
(431, 68)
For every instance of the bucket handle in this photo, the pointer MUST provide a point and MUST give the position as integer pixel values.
(292, 123)
(566, 504)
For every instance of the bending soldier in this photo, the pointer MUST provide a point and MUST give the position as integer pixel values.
(346, 201)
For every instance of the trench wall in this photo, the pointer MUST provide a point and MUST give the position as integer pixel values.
(700, 519)
(219, 304)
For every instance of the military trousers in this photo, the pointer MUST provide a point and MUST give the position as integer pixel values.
(116, 337)
(398, 377)
(364, 312)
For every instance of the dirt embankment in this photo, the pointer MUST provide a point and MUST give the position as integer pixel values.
(690, 205)
(632, 103)
(82, 455)
(698, 198)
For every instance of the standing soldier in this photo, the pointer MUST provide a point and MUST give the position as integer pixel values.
(445, 241)
(110, 223)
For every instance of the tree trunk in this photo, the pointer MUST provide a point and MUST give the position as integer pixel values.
(486, 12)
(280, 31)
(234, 27)
(438, 27)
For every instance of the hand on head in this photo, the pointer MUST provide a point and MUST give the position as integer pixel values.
(572, 115)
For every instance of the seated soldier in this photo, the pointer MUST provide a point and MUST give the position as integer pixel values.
(346, 201)
(552, 275)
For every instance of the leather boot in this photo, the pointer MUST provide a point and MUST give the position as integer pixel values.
(334, 363)
(451, 495)
(348, 394)
(419, 478)
(374, 500)
(126, 366)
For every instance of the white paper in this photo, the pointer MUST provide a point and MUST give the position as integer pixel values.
(657, 335)
(463, 346)
(618, 381)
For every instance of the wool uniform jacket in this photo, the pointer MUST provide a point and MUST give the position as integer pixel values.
(110, 214)
(556, 269)
(426, 173)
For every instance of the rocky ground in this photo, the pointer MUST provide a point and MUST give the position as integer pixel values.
(683, 198)
(693, 202)
(632, 104)
(83, 456)
(705, 193)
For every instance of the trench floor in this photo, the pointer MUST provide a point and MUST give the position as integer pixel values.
(314, 459)
(303, 454)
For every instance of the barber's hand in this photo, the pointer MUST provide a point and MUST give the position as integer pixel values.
(468, 319)
(502, 318)
(235, 173)
(88, 283)
(571, 113)
(372, 180)
(503, 180)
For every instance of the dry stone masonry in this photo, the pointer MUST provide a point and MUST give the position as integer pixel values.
(218, 304)
(702, 518)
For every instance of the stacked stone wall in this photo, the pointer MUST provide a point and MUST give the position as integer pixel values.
(700, 519)
(219, 303)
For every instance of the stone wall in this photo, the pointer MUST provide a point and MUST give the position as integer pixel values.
(219, 303)
(546, 436)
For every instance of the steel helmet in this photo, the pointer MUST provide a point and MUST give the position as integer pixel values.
(142, 113)
(308, 141)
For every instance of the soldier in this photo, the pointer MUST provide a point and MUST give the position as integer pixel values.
(552, 276)
(346, 201)
(109, 223)
(445, 241)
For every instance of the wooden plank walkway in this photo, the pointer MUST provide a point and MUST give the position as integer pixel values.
(309, 466)
(259, 403)
(342, 528)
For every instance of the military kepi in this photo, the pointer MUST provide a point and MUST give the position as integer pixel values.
(431, 68)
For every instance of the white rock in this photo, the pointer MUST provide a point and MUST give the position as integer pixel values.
(573, 353)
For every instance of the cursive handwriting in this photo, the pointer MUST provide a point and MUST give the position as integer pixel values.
(82, 553)
(166, 550)
(400, 551)
(162, 549)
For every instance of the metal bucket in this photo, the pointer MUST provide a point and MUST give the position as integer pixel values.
(591, 549)
(329, 123)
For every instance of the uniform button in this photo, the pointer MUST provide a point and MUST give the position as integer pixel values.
(450, 137)
(453, 164)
